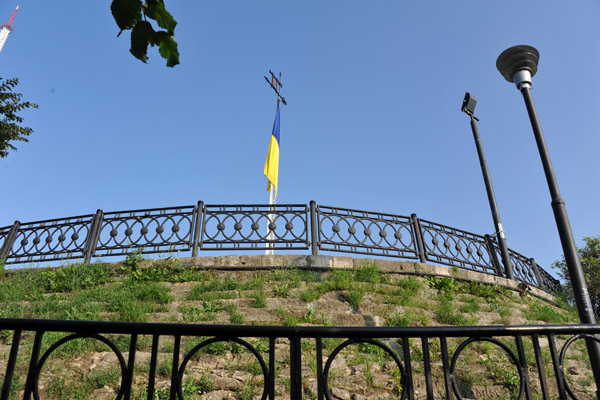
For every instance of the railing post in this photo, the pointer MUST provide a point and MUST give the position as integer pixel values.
(9, 241)
(199, 212)
(494, 256)
(93, 235)
(538, 276)
(418, 237)
(314, 226)
(295, 368)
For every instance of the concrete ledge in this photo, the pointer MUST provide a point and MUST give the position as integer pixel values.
(322, 262)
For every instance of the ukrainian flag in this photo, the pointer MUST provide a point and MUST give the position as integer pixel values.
(272, 162)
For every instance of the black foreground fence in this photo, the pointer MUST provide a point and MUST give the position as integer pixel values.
(254, 227)
(539, 365)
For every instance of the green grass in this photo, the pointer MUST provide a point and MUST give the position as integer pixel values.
(471, 306)
(260, 299)
(367, 272)
(73, 277)
(139, 290)
(354, 296)
(447, 313)
(545, 313)
(444, 284)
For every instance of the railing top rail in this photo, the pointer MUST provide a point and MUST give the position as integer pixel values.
(450, 228)
(148, 210)
(255, 205)
(178, 329)
(49, 221)
(370, 213)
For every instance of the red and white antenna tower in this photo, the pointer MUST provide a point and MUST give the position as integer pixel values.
(6, 29)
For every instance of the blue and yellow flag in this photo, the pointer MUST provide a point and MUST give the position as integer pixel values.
(272, 163)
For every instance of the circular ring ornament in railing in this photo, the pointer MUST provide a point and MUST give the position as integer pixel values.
(561, 359)
(498, 343)
(46, 355)
(374, 342)
(207, 342)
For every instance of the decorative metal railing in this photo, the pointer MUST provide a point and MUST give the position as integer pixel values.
(534, 356)
(253, 227)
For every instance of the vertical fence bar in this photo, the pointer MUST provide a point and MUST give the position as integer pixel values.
(320, 377)
(407, 366)
(540, 364)
(10, 367)
(314, 226)
(272, 368)
(176, 382)
(427, 365)
(493, 255)
(152, 373)
(447, 371)
(523, 367)
(198, 214)
(537, 274)
(35, 355)
(295, 368)
(90, 246)
(558, 371)
(128, 380)
(9, 241)
(418, 237)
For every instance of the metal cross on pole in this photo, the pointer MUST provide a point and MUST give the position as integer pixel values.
(276, 85)
(273, 161)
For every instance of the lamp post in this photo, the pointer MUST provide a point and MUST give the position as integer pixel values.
(518, 65)
(468, 107)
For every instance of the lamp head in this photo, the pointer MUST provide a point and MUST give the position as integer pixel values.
(468, 105)
(518, 64)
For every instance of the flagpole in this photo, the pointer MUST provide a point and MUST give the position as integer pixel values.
(270, 233)
(272, 202)
(276, 85)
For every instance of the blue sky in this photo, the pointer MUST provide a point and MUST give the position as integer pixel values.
(374, 91)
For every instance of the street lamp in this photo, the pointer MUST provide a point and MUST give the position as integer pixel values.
(468, 107)
(518, 65)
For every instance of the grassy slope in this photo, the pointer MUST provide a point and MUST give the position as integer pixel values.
(166, 292)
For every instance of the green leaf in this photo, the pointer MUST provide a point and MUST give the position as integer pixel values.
(156, 10)
(10, 104)
(142, 34)
(126, 12)
(167, 48)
